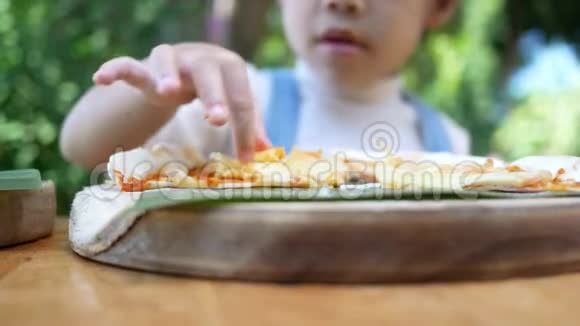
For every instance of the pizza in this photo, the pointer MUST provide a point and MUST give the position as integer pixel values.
(141, 169)
(166, 166)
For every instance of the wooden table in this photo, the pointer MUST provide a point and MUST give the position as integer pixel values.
(45, 283)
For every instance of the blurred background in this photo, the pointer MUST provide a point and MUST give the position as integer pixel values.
(507, 70)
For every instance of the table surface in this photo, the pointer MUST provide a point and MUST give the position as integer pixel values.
(45, 283)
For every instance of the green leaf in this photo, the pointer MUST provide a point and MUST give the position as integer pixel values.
(12, 131)
(26, 155)
(45, 133)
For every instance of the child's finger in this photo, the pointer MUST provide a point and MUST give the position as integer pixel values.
(164, 65)
(127, 69)
(209, 86)
(241, 105)
(262, 140)
(262, 143)
(105, 75)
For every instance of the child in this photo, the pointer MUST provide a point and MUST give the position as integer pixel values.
(346, 81)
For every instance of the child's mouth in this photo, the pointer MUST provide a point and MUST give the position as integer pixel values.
(341, 42)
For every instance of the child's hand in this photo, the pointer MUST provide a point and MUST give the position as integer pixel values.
(176, 75)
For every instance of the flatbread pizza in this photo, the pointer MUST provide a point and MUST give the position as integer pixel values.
(167, 166)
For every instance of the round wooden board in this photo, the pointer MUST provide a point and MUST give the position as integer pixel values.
(357, 242)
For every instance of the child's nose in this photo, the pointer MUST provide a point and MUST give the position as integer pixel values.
(349, 7)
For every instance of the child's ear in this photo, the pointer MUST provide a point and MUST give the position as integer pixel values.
(440, 12)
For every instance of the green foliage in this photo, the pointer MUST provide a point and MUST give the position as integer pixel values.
(274, 50)
(555, 18)
(458, 70)
(544, 124)
(50, 49)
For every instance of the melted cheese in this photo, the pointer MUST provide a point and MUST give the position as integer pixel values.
(553, 164)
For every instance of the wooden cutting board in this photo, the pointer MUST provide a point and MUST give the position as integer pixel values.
(357, 242)
(27, 207)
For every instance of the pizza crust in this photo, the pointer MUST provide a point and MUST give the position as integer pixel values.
(99, 218)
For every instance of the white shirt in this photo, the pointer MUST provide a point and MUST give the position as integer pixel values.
(328, 120)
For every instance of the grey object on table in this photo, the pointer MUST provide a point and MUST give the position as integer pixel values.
(27, 215)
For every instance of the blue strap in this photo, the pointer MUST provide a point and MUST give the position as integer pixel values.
(283, 115)
(433, 133)
(283, 112)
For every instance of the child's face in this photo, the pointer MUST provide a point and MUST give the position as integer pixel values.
(356, 42)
